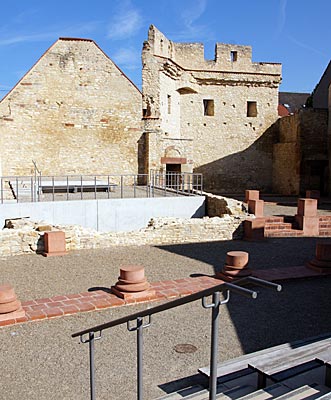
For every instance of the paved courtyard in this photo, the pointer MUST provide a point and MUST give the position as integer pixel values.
(41, 360)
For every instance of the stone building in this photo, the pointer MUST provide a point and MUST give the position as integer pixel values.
(209, 116)
(302, 152)
(74, 112)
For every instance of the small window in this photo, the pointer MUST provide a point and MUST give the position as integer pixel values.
(208, 107)
(251, 109)
(169, 104)
(233, 56)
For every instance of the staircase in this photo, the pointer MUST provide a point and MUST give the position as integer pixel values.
(299, 370)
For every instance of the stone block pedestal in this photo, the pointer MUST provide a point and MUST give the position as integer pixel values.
(254, 229)
(306, 217)
(54, 244)
(256, 207)
(251, 195)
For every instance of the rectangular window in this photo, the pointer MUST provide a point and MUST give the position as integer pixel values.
(208, 107)
(251, 109)
(169, 104)
(233, 56)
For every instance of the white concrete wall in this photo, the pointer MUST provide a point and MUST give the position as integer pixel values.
(118, 215)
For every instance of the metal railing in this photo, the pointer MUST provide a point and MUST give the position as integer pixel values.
(88, 335)
(38, 187)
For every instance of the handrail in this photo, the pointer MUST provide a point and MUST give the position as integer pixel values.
(171, 304)
(140, 325)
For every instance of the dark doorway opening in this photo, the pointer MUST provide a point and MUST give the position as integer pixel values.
(173, 176)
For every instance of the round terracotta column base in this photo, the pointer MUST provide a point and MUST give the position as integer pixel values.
(7, 294)
(323, 250)
(10, 307)
(132, 273)
(134, 287)
(238, 259)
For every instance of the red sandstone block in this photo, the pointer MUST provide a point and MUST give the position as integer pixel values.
(254, 229)
(28, 303)
(309, 225)
(38, 307)
(21, 319)
(86, 294)
(53, 312)
(43, 301)
(54, 243)
(251, 195)
(59, 298)
(69, 309)
(256, 207)
(74, 296)
(55, 304)
(307, 207)
(35, 315)
(71, 302)
(8, 322)
(86, 306)
(115, 301)
(101, 303)
(169, 293)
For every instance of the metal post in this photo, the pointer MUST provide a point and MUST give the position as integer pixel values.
(134, 186)
(17, 190)
(91, 354)
(214, 346)
(95, 187)
(67, 187)
(81, 187)
(140, 358)
(121, 186)
(53, 186)
(108, 186)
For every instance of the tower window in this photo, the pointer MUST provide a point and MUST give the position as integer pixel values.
(208, 107)
(251, 109)
(169, 104)
(233, 56)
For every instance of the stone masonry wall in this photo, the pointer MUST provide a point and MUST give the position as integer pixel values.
(231, 147)
(302, 141)
(73, 112)
(24, 237)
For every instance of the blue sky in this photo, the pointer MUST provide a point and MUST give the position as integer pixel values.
(296, 33)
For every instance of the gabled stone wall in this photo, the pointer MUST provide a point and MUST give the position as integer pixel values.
(73, 112)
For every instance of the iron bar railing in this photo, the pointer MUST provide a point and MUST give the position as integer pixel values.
(78, 187)
(140, 325)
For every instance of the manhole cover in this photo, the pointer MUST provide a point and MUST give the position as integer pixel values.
(185, 348)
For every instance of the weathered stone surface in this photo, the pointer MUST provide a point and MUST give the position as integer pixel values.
(73, 112)
(159, 231)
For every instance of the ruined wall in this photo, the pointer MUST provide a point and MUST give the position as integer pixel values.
(300, 156)
(231, 145)
(73, 112)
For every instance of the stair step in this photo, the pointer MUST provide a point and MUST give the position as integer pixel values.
(284, 233)
(312, 391)
(272, 219)
(325, 232)
(278, 226)
(183, 393)
(269, 392)
(325, 218)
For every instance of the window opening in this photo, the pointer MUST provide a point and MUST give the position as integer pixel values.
(233, 56)
(251, 109)
(208, 107)
(169, 104)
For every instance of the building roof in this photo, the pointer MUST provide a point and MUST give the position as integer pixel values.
(292, 102)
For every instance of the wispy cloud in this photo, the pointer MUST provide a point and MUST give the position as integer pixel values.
(281, 17)
(306, 46)
(126, 22)
(128, 58)
(52, 34)
(189, 18)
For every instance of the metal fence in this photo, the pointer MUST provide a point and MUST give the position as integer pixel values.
(135, 322)
(38, 187)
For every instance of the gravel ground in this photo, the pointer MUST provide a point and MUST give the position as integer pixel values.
(41, 360)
